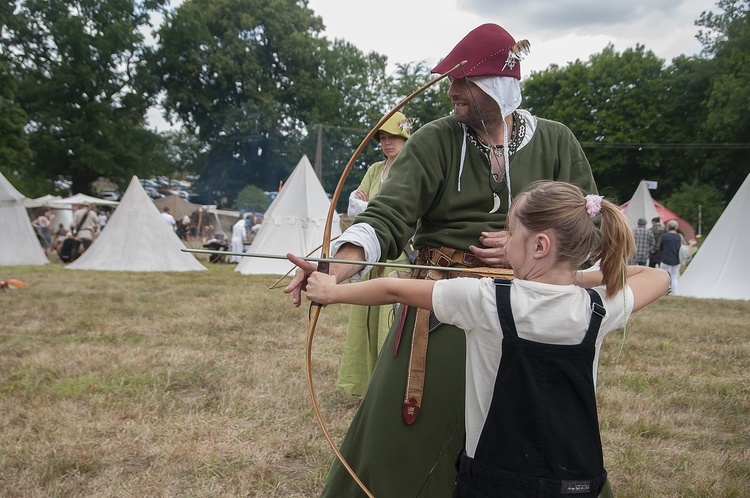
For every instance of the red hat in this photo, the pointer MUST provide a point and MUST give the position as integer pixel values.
(489, 51)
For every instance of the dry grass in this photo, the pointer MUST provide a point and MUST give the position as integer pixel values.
(155, 384)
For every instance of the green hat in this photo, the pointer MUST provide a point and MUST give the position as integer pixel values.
(397, 125)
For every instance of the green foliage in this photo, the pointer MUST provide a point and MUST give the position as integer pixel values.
(728, 105)
(242, 75)
(685, 123)
(431, 104)
(251, 198)
(79, 66)
(355, 93)
(605, 101)
(689, 199)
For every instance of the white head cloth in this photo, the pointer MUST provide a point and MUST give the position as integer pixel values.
(506, 91)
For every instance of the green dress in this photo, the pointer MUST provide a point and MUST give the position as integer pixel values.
(422, 193)
(368, 325)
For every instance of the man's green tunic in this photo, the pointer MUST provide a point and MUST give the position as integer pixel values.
(392, 458)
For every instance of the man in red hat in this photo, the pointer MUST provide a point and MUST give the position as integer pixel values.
(451, 188)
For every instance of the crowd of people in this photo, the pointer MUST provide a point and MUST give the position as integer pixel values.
(88, 221)
(69, 242)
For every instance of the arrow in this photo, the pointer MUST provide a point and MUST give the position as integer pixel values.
(483, 271)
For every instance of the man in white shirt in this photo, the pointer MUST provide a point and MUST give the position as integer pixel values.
(169, 219)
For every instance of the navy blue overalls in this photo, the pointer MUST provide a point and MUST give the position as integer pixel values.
(541, 436)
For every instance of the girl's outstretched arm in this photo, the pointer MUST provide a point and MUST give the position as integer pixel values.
(323, 289)
(648, 284)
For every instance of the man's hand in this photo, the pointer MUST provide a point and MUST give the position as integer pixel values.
(493, 252)
(299, 282)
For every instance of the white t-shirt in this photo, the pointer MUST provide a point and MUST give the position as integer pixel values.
(169, 219)
(554, 314)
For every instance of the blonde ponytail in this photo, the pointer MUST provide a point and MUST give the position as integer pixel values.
(615, 246)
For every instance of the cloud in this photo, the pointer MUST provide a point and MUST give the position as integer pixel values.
(558, 16)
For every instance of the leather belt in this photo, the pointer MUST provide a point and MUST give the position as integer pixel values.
(443, 257)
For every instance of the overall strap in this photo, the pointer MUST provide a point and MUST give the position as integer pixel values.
(597, 314)
(504, 311)
(508, 324)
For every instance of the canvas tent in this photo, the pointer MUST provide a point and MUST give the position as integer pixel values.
(136, 239)
(79, 199)
(294, 222)
(19, 244)
(642, 205)
(719, 270)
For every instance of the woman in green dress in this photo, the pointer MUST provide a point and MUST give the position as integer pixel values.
(369, 325)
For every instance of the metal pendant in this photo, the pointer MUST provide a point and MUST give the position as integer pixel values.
(496, 202)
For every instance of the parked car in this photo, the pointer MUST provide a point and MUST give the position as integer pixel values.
(110, 195)
(152, 192)
(149, 183)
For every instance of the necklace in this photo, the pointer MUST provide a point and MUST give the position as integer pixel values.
(518, 132)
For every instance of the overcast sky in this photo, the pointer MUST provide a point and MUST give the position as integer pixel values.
(560, 31)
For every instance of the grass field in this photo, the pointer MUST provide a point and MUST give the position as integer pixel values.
(193, 384)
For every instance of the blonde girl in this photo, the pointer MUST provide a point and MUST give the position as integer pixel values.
(532, 344)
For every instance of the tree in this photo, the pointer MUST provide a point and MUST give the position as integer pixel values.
(251, 198)
(81, 82)
(727, 38)
(691, 198)
(14, 150)
(608, 101)
(356, 91)
(242, 75)
(431, 104)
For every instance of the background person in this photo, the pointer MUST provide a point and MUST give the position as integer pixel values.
(43, 226)
(670, 244)
(450, 184)
(369, 325)
(239, 234)
(657, 229)
(86, 223)
(644, 244)
(169, 219)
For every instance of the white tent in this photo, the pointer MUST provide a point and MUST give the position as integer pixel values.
(81, 198)
(720, 269)
(19, 244)
(294, 222)
(136, 239)
(45, 200)
(642, 205)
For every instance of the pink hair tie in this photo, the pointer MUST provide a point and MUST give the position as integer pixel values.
(593, 204)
